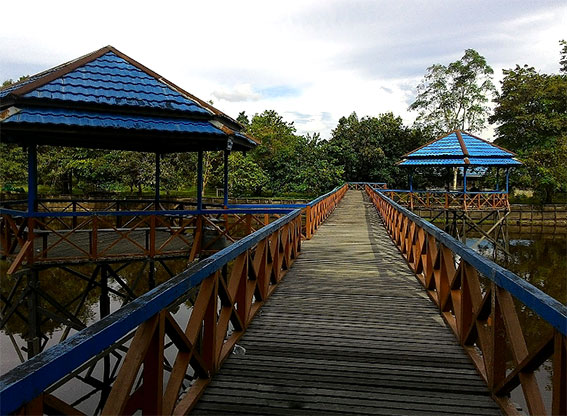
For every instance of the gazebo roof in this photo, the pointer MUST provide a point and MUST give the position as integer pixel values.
(108, 100)
(459, 148)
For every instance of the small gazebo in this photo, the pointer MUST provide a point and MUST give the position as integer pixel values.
(459, 149)
(107, 100)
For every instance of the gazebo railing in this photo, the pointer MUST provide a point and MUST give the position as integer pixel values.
(467, 201)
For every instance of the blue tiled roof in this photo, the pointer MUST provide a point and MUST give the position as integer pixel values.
(111, 80)
(448, 151)
(433, 162)
(77, 118)
(473, 161)
(493, 161)
(449, 146)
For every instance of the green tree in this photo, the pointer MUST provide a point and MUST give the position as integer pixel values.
(368, 148)
(455, 96)
(13, 167)
(245, 176)
(563, 57)
(531, 112)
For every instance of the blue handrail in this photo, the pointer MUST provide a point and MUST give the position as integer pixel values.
(548, 308)
(27, 381)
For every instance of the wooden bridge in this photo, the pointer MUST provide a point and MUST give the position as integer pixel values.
(350, 331)
(358, 326)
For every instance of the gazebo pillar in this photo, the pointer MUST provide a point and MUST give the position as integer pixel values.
(200, 180)
(32, 178)
(507, 179)
(465, 179)
(411, 180)
(497, 179)
(225, 182)
(158, 174)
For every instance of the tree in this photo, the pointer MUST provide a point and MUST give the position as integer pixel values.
(368, 148)
(455, 96)
(245, 177)
(531, 112)
(13, 167)
(563, 57)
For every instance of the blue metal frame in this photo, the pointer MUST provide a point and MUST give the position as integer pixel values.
(225, 178)
(200, 180)
(27, 381)
(32, 177)
(158, 174)
(548, 308)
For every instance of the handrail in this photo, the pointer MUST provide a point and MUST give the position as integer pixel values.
(320, 208)
(550, 309)
(407, 191)
(484, 320)
(250, 209)
(27, 381)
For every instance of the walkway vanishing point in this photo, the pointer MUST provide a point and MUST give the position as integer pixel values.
(349, 331)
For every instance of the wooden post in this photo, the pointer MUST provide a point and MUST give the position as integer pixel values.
(158, 173)
(308, 222)
(559, 400)
(32, 178)
(225, 197)
(200, 181)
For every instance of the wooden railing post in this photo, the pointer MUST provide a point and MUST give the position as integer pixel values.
(308, 232)
(559, 399)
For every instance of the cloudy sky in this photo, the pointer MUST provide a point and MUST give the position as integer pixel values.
(311, 61)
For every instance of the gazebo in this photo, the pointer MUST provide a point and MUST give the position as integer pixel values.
(463, 151)
(107, 100)
(459, 149)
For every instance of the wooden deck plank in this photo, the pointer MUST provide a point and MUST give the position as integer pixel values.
(349, 331)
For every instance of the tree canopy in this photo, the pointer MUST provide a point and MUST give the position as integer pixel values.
(531, 117)
(455, 96)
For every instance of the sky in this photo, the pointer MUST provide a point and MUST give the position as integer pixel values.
(311, 61)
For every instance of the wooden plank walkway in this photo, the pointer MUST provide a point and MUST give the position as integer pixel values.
(349, 331)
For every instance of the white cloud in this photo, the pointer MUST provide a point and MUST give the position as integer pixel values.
(239, 93)
(312, 61)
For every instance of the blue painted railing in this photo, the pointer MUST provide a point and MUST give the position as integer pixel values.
(483, 317)
(27, 381)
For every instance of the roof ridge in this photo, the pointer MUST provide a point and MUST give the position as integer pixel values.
(462, 143)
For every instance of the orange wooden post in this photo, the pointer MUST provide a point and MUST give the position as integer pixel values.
(210, 329)
(152, 388)
(559, 400)
(308, 232)
(197, 238)
(152, 236)
(94, 238)
(496, 368)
